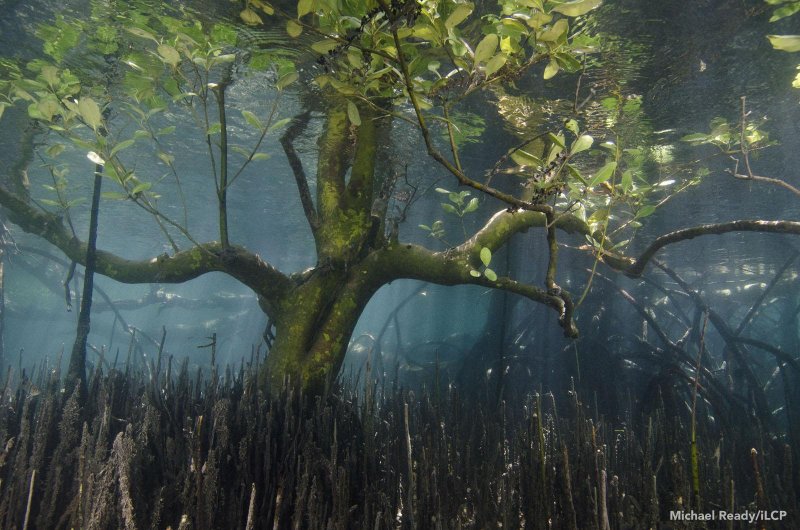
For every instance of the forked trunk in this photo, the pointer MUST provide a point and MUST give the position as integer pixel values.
(313, 326)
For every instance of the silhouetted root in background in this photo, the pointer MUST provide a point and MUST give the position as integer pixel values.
(181, 451)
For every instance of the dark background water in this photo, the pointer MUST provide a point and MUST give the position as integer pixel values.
(689, 62)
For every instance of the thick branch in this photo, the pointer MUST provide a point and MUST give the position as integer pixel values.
(297, 126)
(504, 224)
(236, 261)
(452, 267)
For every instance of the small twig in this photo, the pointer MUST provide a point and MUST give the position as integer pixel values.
(744, 149)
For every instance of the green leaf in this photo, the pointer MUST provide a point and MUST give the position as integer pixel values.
(50, 75)
(626, 182)
(55, 150)
(785, 11)
(250, 17)
(695, 138)
(572, 126)
(425, 32)
(577, 174)
(352, 113)
(442, 190)
(241, 150)
(551, 69)
(524, 158)
(90, 112)
(260, 156)
(459, 15)
(278, 124)
(449, 208)
(324, 46)
(293, 29)
(557, 139)
(604, 174)
(166, 158)
(287, 80)
(486, 256)
(577, 8)
(581, 144)
(214, 129)
(122, 145)
(599, 216)
(474, 273)
(490, 275)
(141, 33)
(304, 7)
(495, 63)
(644, 211)
(555, 32)
(166, 130)
(472, 205)
(253, 120)
(486, 48)
(787, 43)
(139, 188)
(169, 54)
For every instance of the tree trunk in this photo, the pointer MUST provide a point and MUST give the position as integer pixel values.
(313, 325)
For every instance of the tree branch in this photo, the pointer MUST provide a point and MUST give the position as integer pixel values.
(222, 189)
(504, 224)
(635, 268)
(434, 153)
(297, 126)
(452, 267)
(236, 261)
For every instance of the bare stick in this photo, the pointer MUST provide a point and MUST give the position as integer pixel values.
(410, 491)
(30, 500)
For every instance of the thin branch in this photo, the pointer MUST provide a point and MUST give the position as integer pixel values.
(298, 125)
(757, 304)
(438, 157)
(222, 189)
(502, 160)
(744, 150)
(264, 132)
(635, 267)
